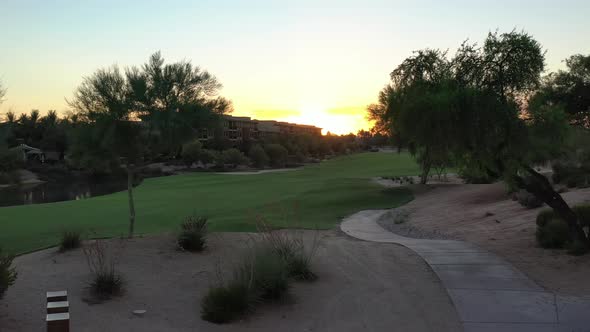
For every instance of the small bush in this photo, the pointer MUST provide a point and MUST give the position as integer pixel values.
(528, 200)
(299, 267)
(583, 212)
(70, 240)
(191, 152)
(401, 217)
(234, 157)
(573, 176)
(224, 304)
(193, 234)
(207, 156)
(277, 153)
(291, 249)
(269, 271)
(474, 174)
(261, 276)
(106, 284)
(10, 160)
(264, 275)
(555, 234)
(7, 273)
(105, 281)
(544, 217)
(258, 156)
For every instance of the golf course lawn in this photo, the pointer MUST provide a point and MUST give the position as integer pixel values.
(317, 196)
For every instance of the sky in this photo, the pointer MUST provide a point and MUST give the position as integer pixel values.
(313, 62)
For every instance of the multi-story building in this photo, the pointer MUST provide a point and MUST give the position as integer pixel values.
(239, 128)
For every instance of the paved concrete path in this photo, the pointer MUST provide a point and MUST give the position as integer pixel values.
(490, 295)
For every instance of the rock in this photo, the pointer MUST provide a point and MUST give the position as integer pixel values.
(139, 313)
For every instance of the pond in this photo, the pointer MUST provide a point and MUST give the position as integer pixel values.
(56, 192)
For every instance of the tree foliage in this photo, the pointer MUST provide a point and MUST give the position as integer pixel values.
(169, 99)
(569, 89)
(469, 110)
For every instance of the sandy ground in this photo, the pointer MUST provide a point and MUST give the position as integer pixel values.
(486, 216)
(362, 286)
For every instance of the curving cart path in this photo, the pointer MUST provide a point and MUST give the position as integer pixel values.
(490, 295)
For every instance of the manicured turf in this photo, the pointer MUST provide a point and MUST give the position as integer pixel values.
(316, 196)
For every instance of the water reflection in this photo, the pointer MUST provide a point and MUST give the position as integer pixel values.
(57, 192)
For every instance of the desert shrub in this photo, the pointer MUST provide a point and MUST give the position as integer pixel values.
(277, 153)
(193, 233)
(226, 303)
(528, 200)
(571, 175)
(258, 156)
(583, 212)
(234, 157)
(544, 217)
(191, 152)
(207, 156)
(553, 235)
(269, 271)
(7, 272)
(300, 157)
(10, 160)
(472, 173)
(291, 249)
(105, 281)
(552, 231)
(262, 275)
(401, 217)
(70, 239)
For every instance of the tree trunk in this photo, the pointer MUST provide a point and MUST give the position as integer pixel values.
(425, 172)
(425, 165)
(131, 203)
(542, 188)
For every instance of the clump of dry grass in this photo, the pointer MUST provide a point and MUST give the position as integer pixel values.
(193, 233)
(290, 246)
(105, 281)
(70, 240)
(274, 259)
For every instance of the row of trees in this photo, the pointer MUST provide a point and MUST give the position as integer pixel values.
(131, 116)
(487, 111)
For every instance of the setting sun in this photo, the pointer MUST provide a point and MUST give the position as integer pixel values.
(335, 121)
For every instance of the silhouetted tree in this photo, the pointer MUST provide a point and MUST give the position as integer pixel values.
(473, 103)
(104, 101)
(569, 88)
(158, 103)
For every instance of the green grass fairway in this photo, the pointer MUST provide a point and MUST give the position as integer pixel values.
(317, 196)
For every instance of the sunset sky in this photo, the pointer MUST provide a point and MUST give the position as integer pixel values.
(313, 62)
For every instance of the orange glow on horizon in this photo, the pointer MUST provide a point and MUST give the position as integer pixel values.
(315, 114)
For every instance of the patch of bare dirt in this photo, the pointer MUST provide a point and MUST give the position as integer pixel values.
(362, 286)
(485, 215)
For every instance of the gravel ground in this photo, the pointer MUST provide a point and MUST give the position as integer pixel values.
(398, 221)
(362, 286)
